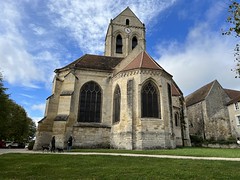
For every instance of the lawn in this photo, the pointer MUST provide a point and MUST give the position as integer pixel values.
(59, 166)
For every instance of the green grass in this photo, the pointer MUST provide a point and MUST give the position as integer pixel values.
(200, 152)
(63, 166)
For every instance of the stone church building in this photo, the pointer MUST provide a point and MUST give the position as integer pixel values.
(123, 99)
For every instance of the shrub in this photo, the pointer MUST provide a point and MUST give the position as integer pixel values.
(30, 145)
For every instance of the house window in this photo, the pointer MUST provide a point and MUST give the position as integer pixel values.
(90, 103)
(134, 42)
(119, 44)
(117, 104)
(238, 120)
(149, 102)
(176, 117)
(127, 22)
(236, 106)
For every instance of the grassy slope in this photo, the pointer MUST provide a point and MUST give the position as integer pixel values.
(59, 166)
(49, 166)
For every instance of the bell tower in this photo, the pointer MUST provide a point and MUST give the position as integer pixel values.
(124, 33)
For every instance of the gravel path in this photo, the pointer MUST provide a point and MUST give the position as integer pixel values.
(4, 151)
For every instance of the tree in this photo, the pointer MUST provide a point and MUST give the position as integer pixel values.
(14, 122)
(234, 29)
(4, 108)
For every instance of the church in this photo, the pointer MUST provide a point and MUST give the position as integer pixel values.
(123, 99)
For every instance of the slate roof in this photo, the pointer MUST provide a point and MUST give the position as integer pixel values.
(96, 62)
(199, 95)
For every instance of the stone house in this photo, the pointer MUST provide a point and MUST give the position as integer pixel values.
(123, 99)
(208, 112)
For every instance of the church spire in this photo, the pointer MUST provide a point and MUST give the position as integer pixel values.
(124, 33)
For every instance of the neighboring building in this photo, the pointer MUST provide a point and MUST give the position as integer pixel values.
(123, 99)
(208, 113)
(234, 112)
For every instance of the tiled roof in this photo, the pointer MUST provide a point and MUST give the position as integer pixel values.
(94, 62)
(199, 95)
(232, 93)
(175, 90)
(143, 61)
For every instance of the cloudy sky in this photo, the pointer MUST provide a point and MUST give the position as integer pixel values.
(39, 36)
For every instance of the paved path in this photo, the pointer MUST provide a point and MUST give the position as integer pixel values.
(4, 151)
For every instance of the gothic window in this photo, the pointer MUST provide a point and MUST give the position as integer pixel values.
(149, 102)
(119, 44)
(90, 103)
(116, 104)
(134, 42)
(127, 22)
(176, 117)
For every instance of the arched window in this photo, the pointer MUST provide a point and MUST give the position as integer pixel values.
(176, 117)
(149, 102)
(134, 42)
(119, 44)
(127, 22)
(90, 102)
(116, 104)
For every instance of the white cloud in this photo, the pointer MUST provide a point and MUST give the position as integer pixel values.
(87, 21)
(19, 65)
(205, 56)
(40, 107)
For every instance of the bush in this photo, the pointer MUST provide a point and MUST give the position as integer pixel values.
(30, 145)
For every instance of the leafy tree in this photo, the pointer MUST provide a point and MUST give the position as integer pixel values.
(3, 108)
(14, 123)
(234, 29)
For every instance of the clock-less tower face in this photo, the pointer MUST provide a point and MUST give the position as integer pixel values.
(125, 32)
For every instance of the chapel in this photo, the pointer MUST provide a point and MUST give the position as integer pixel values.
(123, 99)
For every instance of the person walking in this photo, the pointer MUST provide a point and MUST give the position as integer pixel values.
(69, 143)
(53, 144)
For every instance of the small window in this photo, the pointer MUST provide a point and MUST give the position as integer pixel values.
(176, 117)
(134, 42)
(119, 44)
(238, 120)
(149, 102)
(116, 104)
(236, 106)
(127, 22)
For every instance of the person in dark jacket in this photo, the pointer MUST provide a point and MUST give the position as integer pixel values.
(69, 143)
(53, 144)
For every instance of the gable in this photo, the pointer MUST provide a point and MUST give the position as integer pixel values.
(127, 14)
(198, 95)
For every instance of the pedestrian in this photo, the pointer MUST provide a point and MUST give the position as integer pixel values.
(69, 143)
(53, 144)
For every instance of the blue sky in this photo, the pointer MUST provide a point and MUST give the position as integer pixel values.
(39, 36)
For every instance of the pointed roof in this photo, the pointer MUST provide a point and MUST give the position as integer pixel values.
(199, 95)
(143, 61)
